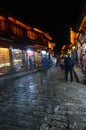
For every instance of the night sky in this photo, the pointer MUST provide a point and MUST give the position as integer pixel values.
(52, 16)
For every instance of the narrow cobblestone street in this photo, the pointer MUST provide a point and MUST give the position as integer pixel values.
(43, 101)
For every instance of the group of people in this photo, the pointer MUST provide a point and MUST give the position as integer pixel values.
(67, 65)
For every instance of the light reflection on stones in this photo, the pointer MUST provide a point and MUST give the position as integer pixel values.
(43, 102)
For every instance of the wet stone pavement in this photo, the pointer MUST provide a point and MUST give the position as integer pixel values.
(43, 101)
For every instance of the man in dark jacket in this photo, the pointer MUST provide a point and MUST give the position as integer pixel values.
(69, 64)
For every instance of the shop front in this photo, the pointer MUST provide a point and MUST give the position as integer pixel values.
(37, 58)
(17, 59)
(4, 60)
(30, 58)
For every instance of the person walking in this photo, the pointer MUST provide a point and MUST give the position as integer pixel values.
(69, 64)
(45, 63)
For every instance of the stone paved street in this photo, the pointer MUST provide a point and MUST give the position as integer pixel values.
(43, 101)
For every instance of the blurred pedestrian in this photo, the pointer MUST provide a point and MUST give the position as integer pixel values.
(83, 62)
(45, 63)
(69, 64)
(61, 63)
(30, 62)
